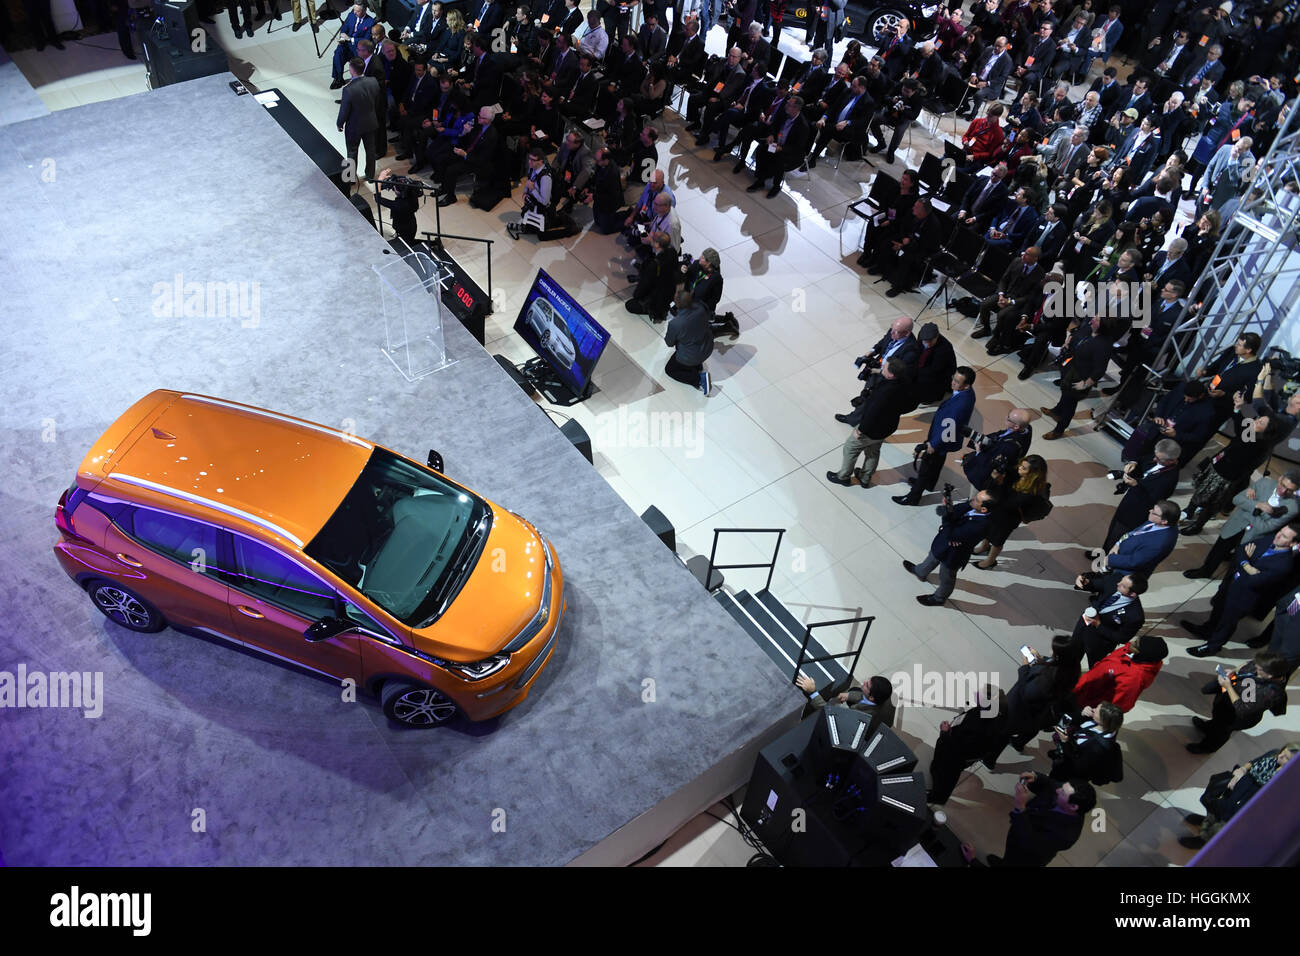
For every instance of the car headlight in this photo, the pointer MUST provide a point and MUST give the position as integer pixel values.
(471, 671)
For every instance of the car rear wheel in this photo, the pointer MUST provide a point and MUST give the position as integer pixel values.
(416, 705)
(123, 606)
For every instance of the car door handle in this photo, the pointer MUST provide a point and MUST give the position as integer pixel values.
(250, 611)
(127, 559)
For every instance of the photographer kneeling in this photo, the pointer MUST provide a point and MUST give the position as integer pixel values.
(657, 281)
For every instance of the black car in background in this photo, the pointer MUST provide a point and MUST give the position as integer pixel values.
(870, 20)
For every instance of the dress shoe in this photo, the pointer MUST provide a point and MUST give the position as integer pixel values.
(754, 186)
(981, 332)
(402, 156)
(239, 32)
(876, 148)
(910, 568)
(701, 140)
(1024, 373)
(336, 83)
(1194, 819)
(864, 260)
(1191, 527)
(812, 161)
(875, 270)
(1054, 434)
(57, 44)
(835, 479)
(1255, 643)
(297, 26)
(1049, 412)
(718, 155)
(843, 418)
(1056, 382)
(1198, 748)
(447, 200)
(739, 167)
(856, 400)
(1202, 650)
(1192, 842)
(928, 600)
(130, 55)
(1195, 573)
(997, 348)
(889, 158)
(893, 292)
(774, 191)
(1193, 627)
(903, 500)
(1110, 390)
(1201, 724)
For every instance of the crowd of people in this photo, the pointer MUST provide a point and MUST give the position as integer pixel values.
(1083, 177)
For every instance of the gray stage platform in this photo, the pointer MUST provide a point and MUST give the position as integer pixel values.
(195, 181)
(18, 101)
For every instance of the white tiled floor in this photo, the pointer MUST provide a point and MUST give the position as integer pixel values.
(758, 447)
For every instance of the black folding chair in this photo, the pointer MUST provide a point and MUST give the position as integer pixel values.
(982, 280)
(930, 174)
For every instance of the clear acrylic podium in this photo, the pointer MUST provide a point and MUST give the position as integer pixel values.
(410, 288)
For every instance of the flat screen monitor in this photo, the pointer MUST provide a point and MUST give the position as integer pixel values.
(561, 332)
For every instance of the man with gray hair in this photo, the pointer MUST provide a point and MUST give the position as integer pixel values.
(1258, 512)
(1143, 483)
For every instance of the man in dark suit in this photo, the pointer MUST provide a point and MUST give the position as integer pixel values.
(356, 26)
(847, 123)
(1047, 818)
(565, 66)
(935, 366)
(1050, 234)
(912, 249)
(1257, 569)
(689, 62)
(1241, 699)
(1138, 552)
(1087, 363)
(873, 697)
(425, 18)
(1038, 58)
(1108, 90)
(361, 103)
(580, 98)
(414, 108)
(720, 116)
(754, 48)
(1144, 483)
(1135, 97)
(767, 123)
(476, 151)
(989, 77)
(899, 343)
(1090, 750)
(1211, 68)
(723, 80)
(489, 16)
(1010, 230)
(963, 526)
(783, 149)
(485, 71)
(898, 114)
(971, 736)
(984, 199)
(1017, 292)
(873, 422)
(652, 39)
(950, 423)
(896, 51)
(997, 454)
(1115, 618)
(812, 79)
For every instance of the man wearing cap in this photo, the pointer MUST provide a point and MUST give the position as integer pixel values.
(934, 366)
(947, 431)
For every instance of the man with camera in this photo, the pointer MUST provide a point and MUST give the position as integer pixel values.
(951, 422)
(963, 526)
(898, 342)
(898, 114)
(873, 421)
(1087, 749)
(993, 457)
(1047, 818)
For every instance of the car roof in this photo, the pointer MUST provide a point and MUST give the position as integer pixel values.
(282, 474)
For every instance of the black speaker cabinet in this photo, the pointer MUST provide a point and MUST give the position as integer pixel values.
(578, 436)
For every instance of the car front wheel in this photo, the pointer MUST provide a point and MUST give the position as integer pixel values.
(416, 705)
(123, 606)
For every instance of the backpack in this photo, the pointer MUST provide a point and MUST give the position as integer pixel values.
(1037, 508)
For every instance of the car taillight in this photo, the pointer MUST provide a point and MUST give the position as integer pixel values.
(63, 512)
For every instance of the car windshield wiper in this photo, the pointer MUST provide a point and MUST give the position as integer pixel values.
(461, 567)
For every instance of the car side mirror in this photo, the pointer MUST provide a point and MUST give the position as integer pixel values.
(434, 460)
(326, 628)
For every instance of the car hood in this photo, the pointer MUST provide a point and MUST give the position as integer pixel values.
(498, 599)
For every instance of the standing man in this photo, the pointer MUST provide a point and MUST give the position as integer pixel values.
(1144, 484)
(358, 120)
(947, 431)
(963, 527)
(1241, 698)
(898, 342)
(1047, 818)
(873, 421)
(1259, 511)
(1138, 552)
(996, 456)
(1115, 619)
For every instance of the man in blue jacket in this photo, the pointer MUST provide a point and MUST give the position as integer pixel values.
(947, 432)
(1257, 571)
(964, 526)
(1138, 552)
(356, 26)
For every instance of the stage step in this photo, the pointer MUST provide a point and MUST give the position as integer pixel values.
(771, 625)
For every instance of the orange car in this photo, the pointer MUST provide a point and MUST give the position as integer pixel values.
(316, 547)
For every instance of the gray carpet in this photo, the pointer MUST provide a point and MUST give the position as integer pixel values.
(18, 101)
(195, 181)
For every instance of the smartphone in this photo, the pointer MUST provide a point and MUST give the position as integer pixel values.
(1218, 669)
(1027, 654)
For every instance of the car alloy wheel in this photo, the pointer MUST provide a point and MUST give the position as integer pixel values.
(884, 25)
(123, 606)
(417, 706)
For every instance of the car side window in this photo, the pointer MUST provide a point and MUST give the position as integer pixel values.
(266, 573)
(355, 614)
(181, 539)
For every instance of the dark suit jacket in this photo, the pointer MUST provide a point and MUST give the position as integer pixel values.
(880, 713)
(1022, 288)
(934, 372)
(795, 147)
(958, 534)
(375, 68)
(651, 43)
(984, 213)
(564, 70)
(1039, 831)
(1043, 52)
(1180, 269)
(426, 28)
(486, 79)
(1142, 553)
(1114, 627)
(878, 416)
(420, 96)
(1139, 499)
(494, 17)
(362, 100)
(997, 77)
(1091, 755)
(1050, 251)
(1002, 453)
(811, 83)
(692, 58)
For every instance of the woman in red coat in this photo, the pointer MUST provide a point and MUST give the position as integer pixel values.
(1123, 674)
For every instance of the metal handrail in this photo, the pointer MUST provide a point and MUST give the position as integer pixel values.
(770, 565)
(855, 654)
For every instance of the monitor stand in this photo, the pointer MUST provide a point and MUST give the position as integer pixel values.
(543, 378)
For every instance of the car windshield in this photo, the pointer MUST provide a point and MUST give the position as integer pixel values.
(403, 537)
